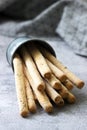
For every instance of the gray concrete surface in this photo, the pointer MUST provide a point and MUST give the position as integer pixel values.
(70, 117)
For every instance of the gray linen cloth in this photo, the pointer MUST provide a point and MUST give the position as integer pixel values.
(61, 18)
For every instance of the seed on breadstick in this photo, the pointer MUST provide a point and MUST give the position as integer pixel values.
(71, 98)
(20, 85)
(41, 96)
(73, 78)
(53, 94)
(57, 72)
(40, 62)
(63, 92)
(68, 84)
(30, 97)
(32, 69)
(54, 82)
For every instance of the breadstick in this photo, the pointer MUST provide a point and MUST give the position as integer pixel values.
(68, 84)
(32, 69)
(40, 62)
(78, 82)
(63, 92)
(41, 97)
(30, 97)
(57, 72)
(54, 82)
(71, 98)
(20, 85)
(53, 94)
(35, 98)
(61, 103)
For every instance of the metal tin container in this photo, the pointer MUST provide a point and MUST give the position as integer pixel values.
(14, 46)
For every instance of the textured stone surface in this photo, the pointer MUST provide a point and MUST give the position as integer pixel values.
(70, 117)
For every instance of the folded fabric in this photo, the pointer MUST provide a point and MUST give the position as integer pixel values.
(64, 18)
(24, 9)
(43, 25)
(73, 26)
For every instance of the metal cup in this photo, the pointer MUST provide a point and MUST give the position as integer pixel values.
(17, 43)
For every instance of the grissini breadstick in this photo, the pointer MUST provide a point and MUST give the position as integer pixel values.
(78, 82)
(57, 72)
(30, 97)
(71, 98)
(61, 103)
(63, 92)
(60, 75)
(20, 85)
(68, 96)
(35, 98)
(68, 84)
(54, 82)
(40, 62)
(55, 96)
(32, 69)
(41, 97)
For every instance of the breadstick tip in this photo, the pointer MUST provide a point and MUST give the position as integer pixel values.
(80, 84)
(33, 109)
(41, 87)
(47, 75)
(57, 99)
(64, 93)
(49, 109)
(63, 78)
(61, 103)
(24, 113)
(57, 86)
(71, 98)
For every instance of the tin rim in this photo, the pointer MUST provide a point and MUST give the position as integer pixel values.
(18, 42)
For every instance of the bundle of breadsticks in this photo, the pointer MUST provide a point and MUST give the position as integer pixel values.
(40, 76)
